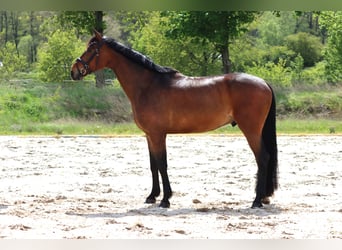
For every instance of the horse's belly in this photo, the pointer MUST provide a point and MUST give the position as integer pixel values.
(198, 122)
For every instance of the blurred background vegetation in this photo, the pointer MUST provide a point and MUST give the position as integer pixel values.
(298, 53)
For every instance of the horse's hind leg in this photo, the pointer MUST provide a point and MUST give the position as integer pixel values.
(262, 161)
(254, 138)
(158, 161)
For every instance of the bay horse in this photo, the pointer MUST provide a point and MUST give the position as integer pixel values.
(164, 101)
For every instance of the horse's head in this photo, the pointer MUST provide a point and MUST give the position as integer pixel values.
(88, 61)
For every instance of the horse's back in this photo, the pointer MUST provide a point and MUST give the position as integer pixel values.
(229, 80)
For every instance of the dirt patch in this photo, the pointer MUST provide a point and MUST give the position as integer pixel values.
(95, 187)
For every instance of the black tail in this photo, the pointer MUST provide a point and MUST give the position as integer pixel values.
(269, 138)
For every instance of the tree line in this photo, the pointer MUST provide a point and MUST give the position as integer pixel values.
(282, 47)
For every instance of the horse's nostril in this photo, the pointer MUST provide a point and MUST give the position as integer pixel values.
(74, 76)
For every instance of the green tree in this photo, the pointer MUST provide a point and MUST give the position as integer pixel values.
(23, 29)
(132, 22)
(56, 56)
(273, 28)
(12, 62)
(332, 21)
(25, 47)
(189, 57)
(83, 22)
(31, 23)
(216, 27)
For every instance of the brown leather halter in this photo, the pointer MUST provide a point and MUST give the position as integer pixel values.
(86, 69)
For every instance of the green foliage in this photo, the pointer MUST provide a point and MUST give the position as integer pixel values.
(275, 73)
(216, 27)
(87, 102)
(83, 22)
(25, 47)
(133, 21)
(308, 46)
(332, 21)
(26, 107)
(57, 55)
(21, 106)
(315, 75)
(191, 58)
(297, 67)
(286, 73)
(313, 102)
(273, 29)
(263, 52)
(12, 62)
(246, 53)
(277, 53)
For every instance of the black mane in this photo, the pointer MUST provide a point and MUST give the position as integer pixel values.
(137, 57)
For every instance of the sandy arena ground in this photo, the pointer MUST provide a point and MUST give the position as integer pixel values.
(95, 187)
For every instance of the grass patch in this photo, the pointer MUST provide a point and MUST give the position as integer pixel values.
(73, 127)
(309, 126)
(294, 126)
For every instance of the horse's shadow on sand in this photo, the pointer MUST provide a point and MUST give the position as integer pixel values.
(2, 206)
(154, 210)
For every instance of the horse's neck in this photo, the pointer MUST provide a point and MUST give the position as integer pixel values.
(133, 78)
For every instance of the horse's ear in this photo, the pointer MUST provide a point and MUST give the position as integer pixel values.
(97, 35)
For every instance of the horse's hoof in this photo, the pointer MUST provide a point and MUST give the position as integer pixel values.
(164, 204)
(150, 200)
(257, 204)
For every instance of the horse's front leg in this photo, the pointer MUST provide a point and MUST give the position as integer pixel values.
(155, 180)
(158, 161)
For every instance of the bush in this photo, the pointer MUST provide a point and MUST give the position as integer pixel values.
(245, 53)
(297, 67)
(308, 46)
(277, 74)
(315, 75)
(12, 62)
(277, 53)
(56, 56)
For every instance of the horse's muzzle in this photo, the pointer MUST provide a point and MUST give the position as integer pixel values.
(75, 75)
